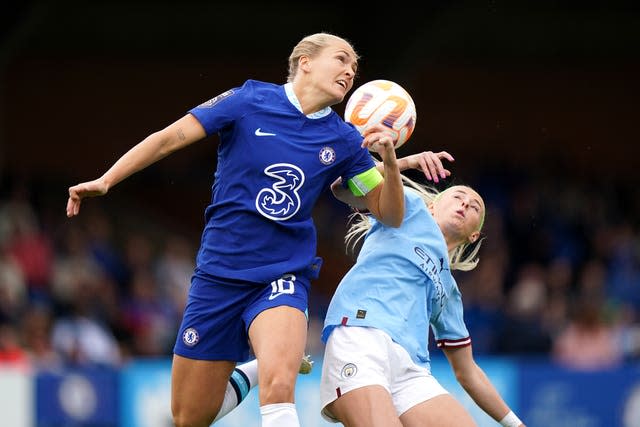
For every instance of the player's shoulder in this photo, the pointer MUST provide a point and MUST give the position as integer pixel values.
(260, 94)
(343, 130)
(411, 193)
(259, 87)
(414, 199)
(348, 129)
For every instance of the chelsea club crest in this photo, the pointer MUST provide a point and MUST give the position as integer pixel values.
(327, 155)
(190, 337)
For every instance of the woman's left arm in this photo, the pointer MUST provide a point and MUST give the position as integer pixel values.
(476, 383)
(386, 200)
(428, 162)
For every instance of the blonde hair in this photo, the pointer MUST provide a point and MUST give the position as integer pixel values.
(310, 46)
(463, 257)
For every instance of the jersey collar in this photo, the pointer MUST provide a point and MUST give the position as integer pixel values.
(288, 88)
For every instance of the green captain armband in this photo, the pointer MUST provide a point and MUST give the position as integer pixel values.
(364, 182)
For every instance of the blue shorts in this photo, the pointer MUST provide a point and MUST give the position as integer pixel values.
(218, 314)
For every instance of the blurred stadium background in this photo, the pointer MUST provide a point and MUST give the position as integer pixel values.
(537, 101)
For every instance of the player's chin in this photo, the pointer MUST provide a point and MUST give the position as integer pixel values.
(339, 93)
(337, 99)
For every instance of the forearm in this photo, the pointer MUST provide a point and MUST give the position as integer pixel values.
(483, 392)
(154, 147)
(143, 154)
(428, 162)
(391, 200)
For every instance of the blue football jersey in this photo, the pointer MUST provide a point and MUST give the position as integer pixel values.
(402, 284)
(273, 164)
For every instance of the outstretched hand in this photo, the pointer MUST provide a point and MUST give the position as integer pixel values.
(80, 191)
(430, 164)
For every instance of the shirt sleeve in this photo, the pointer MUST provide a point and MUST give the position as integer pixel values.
(449, 328)
(221, 111)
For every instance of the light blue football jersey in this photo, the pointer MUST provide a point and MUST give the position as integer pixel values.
(273, 164)
(401, 284)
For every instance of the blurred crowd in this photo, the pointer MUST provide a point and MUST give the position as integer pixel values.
(558, 278)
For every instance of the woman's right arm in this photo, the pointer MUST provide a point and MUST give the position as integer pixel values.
(154, 147)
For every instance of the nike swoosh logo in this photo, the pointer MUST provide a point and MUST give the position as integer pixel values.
(274, 296)
(260, 133)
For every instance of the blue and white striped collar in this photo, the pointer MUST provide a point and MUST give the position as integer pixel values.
(288, 88)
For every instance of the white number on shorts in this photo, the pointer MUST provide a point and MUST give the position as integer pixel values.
(284, 285)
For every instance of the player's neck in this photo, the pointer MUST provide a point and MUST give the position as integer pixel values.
(308, 98)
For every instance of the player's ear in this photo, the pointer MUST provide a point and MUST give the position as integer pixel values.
(303, 63)
(474, 237)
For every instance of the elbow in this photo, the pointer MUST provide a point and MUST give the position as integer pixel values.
(164, 145)
(395, 217)
(337, 193)
(468, 379)
(388, 210)
(463, 380)
(398, 216)
(396, 222)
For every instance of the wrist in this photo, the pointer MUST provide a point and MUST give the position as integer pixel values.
(389, 159)
(105, 183)
(403, 164)
(510, 420)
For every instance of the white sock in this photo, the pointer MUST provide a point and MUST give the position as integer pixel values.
(250, 370)
(279, 415)
(242, 379)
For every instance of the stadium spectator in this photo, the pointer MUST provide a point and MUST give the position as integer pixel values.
(11, 350)
(35, 329)
(588, 342)
(523, 330)
(81, 336)
(28, 246)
